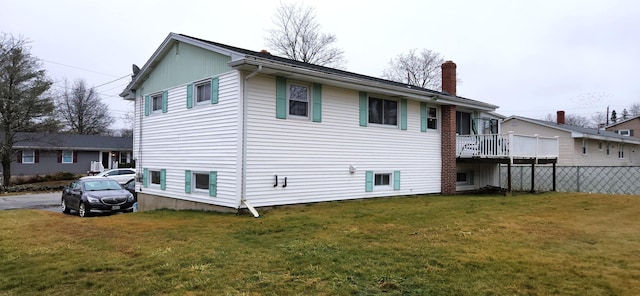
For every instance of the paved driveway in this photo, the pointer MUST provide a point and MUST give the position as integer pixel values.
(46, 201)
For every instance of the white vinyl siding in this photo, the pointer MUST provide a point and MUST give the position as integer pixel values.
(200, 139)
(317, 167)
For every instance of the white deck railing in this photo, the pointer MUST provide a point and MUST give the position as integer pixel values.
(506, 146)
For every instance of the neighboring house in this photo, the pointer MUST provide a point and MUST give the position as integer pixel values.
(49, 153)
(220, 127)
(629, 127)
(579, 146)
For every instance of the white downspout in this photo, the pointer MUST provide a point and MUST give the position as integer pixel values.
(243, 187)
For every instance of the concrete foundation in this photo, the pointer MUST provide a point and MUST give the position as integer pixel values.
(149, 202)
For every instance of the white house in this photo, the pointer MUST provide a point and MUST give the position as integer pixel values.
(220, 127)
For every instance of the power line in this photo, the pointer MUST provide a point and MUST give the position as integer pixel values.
(83, 69)
(112, 81)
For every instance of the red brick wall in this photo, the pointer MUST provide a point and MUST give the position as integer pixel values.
(448, 174)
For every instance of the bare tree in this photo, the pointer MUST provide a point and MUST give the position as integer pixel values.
(128, 120)
(634, 109)
(24, 104)
(421, 69)
(599, 119)
(81, 110)
(570, 119)
(297, 36)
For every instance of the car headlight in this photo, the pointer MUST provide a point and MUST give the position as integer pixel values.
(130, 197)
(92, 199)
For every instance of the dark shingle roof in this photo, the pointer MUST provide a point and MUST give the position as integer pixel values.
(71, 141)
(332, 71)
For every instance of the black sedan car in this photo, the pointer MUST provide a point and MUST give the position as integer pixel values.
(96, 195)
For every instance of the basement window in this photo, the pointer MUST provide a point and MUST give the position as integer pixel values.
(382, 179)
(464, 178)
(155, 177)
(201, 181)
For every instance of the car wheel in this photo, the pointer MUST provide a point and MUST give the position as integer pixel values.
(63, 206)
(82, 210)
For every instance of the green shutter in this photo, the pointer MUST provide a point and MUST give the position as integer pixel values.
(213, 183)
(145, 178)
(396, 180)
(363, 108)
(187, 181)
(281, 98)
(369, 181)
(423, 117)
(165, 101)
(190, 96)
(147, 105)
(317, 102)
(214, 90)
(163, 179)
(403, 114)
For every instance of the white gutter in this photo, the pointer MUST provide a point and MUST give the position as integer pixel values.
(243, 178)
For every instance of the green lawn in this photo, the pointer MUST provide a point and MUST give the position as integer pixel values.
(546, 244)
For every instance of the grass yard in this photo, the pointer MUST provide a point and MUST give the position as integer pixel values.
(545, 244)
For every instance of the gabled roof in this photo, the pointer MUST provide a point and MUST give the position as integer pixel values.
(621, 122)
(249, 60)
(578, 131)
(59, 141)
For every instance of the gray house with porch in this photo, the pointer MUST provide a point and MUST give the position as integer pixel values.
(49, 153)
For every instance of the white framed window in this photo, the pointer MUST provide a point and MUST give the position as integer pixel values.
(600, 145)
(608, 148)
(156, 103)
(383, 111)
(201, 182)
(624, 132)
(125, 157)
(620, 150)
(155, 177)
(28, 156)
(584, 146)
(432, 118)
(203, 91)
(382, 179)
(298, 97)
(464, 178)
(67, 156)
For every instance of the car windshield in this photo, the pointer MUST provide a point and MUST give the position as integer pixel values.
(98, 185)
(108, 173)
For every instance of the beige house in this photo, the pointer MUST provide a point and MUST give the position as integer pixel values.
(579, 146)
(629, 127)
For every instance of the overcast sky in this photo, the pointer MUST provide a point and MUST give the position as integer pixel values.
(531, 58)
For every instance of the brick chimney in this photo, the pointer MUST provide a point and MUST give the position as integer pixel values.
(560, 117)
(449, 77)
(448, 131)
